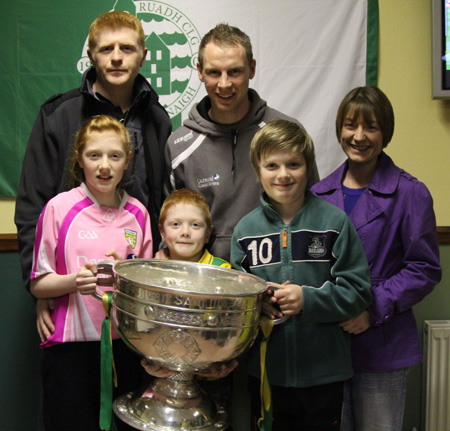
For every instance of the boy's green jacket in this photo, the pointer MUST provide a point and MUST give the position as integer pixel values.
(319, 250)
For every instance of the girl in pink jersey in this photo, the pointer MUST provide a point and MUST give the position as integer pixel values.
(93, 221)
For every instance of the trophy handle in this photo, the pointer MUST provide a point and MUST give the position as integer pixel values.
(107, 279)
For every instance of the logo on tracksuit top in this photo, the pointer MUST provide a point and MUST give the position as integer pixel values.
(213, 180)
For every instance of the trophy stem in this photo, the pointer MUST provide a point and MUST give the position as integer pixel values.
(176, 403)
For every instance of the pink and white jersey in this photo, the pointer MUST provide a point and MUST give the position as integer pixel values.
(72, 230)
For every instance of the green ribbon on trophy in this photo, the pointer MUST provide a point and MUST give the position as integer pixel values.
(265, 422)
(108, 374)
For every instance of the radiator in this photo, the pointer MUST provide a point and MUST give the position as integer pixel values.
(436, 375)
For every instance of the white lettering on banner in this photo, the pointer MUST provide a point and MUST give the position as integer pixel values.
(158, 9)
(183, 101)
(172, 15)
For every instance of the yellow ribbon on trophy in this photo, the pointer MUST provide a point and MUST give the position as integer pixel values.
(265, 422)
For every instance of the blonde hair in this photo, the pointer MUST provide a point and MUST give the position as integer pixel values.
(114, 20)
(282, 135)
(185, 196)
(98, 124)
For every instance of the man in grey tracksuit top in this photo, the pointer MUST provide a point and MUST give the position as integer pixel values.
(210, 152)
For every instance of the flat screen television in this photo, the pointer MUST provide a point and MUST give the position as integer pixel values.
(441, 49)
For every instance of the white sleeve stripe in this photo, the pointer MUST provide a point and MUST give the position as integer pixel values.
(188, 151)
(172, 180)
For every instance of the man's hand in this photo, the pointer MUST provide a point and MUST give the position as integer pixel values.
(44, 322)
(357, 324)
(269, 307)
(156, 370)
(221, 371)
(163, 372)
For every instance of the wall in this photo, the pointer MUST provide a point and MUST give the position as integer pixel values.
(434, 307)
(421, 143)
(19, 351)
(7, 215)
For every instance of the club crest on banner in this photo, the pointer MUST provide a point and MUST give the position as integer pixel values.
(172, 42)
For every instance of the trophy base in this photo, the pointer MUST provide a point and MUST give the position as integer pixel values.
(171, 404)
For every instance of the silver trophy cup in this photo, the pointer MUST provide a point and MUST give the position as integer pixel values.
(187, 317)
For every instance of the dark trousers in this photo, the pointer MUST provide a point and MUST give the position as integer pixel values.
(317, 408)
(71, 384)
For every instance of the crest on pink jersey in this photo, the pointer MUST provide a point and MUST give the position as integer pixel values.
(131, 237)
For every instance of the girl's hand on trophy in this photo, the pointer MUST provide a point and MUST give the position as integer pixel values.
(86, 279)
(221, 371)
(156, 370)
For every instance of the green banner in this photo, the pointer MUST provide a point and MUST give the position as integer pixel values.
(42, 42)
(307, 61)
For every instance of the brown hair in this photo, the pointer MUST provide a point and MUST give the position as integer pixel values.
(186, 196)
(367, 102)
(225, 35)
(282, 135)
(114, 20)
(98, 124)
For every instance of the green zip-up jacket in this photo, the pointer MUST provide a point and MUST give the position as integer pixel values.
(319, 250)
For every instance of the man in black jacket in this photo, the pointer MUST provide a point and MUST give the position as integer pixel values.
(112, 86)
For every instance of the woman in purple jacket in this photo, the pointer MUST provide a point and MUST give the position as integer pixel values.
(393, 214)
